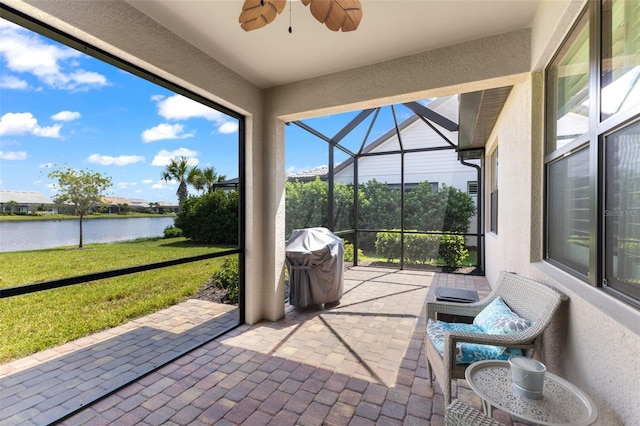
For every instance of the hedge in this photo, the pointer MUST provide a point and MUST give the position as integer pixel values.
(422, 248)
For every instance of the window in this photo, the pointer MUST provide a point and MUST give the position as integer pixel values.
(620, 75)
(472, 188)
(494, 192)
(568, 83)
(622, 211)
(593, 150)
(568, 211)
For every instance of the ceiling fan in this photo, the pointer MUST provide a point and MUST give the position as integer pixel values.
(337, 15)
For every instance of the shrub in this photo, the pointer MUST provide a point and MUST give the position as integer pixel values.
(348, 252)
(418, 248)
(210, 218)
(388, 245)
(452, 249)
(422, 248)
(172, 232)
(228, 278)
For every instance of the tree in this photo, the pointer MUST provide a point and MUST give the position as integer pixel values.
(306, 205)
(205, 180)
(179, 170)
(12, 205)
(80, 188)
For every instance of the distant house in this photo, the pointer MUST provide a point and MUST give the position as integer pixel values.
(227, 185)
(118, 205)
(26, 202)
(164, 207)
(309, 175)
(439, 165)
(112, 204)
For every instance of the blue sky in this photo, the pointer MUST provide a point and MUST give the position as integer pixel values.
(305, 151)
(60, 107)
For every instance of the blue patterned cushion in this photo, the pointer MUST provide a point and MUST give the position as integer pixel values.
(497, 318)
(466, 353)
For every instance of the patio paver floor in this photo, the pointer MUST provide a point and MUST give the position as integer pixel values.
(359, 362)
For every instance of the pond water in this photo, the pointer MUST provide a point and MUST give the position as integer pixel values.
(41, 234)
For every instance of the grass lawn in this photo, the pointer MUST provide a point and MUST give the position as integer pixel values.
(33, 322)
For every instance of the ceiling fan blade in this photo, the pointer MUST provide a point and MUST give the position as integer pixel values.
(337, 15)
(258, 13)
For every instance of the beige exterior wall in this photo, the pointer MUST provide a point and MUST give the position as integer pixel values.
(596, 341)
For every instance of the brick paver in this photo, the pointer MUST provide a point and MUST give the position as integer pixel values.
(359, 362)
(57, 381)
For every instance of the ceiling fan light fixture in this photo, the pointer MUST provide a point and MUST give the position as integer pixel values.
(258, 13)
(337, 15)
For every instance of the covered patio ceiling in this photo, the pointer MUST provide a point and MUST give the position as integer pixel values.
(271, 56)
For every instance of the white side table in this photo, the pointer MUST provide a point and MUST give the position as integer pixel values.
(562, 403)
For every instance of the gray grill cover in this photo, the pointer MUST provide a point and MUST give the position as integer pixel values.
(315, 260)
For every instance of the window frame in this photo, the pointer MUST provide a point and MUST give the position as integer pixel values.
(493, 192)
(599, 128)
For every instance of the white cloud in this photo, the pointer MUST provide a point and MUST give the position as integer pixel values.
(228, 127)
(13, 155)
(125, 185)
(52, 64)
(122, 160)
(165, 131)
(21, 123)
(66, 116)
(178, 107)
(163, 157)
(12, 82)
(88, 78)
(147, 181)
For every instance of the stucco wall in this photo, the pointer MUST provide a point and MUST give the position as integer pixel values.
(513, 140)
(478, 64)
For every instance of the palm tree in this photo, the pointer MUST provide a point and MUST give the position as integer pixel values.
(12, 205)
(180, 171)
(207, 179)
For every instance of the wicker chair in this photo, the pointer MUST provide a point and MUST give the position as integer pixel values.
(527, 298)
(460, 414)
